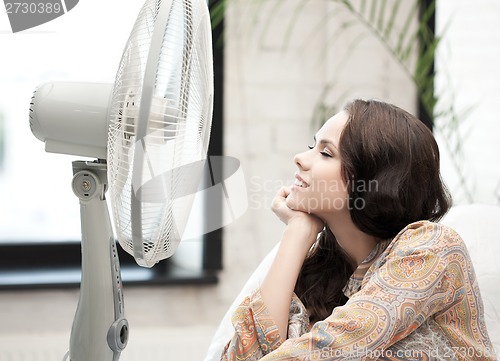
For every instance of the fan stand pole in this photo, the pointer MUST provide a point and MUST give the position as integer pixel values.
(99, 331)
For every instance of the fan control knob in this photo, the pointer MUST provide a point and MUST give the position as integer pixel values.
(118, 335)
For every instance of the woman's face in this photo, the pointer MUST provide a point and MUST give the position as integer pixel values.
(318, 188)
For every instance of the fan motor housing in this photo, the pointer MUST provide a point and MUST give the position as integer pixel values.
(72, 117)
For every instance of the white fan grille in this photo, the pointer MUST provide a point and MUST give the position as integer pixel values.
(160, 126)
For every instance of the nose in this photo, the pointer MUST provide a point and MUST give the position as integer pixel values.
(300, 160)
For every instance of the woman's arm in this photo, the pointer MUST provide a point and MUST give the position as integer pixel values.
(279, 283)
(262, 320)
(299, 235)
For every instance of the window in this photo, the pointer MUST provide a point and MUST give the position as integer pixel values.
(467, 75)
(39, 214)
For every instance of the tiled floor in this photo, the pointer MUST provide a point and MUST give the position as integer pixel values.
(179, 344)
(166, 323)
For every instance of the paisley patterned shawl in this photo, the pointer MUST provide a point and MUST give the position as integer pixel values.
(418, 300)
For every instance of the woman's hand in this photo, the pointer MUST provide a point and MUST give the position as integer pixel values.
(292, 217)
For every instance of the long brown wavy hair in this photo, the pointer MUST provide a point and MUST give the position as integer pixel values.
(383, 145)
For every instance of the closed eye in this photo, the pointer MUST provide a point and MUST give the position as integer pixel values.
(323, 153)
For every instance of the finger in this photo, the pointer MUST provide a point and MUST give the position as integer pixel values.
(283, 192)
(279, 199)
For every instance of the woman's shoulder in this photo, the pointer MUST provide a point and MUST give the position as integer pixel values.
(421, 252)
(427, 236)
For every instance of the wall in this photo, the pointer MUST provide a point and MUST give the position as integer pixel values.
(271, 93)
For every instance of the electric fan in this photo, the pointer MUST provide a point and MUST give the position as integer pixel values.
(149, 136)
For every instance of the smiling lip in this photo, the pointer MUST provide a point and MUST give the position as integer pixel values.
(299, 182)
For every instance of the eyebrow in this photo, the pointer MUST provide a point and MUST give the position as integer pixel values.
(325, 141)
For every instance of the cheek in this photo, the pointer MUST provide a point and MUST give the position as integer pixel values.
(328, 194)
(329, 184)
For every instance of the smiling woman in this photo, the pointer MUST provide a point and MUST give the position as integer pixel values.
(378, 282)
